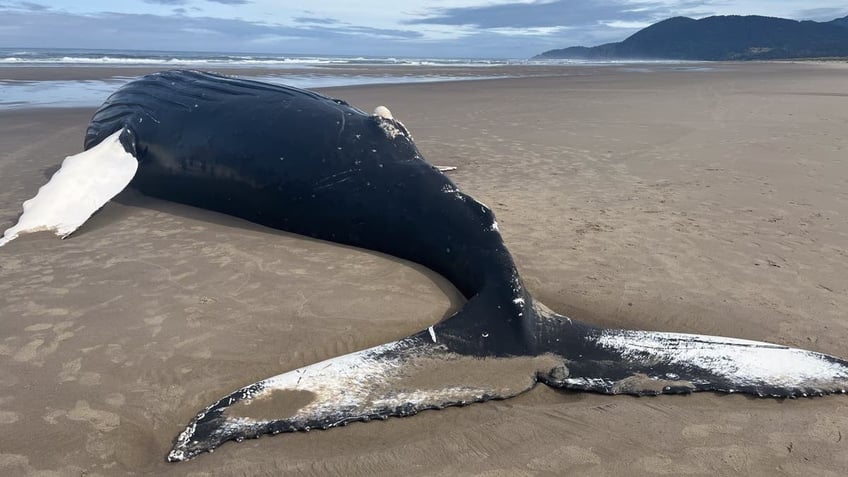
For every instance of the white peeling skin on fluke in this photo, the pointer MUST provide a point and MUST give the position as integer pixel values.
(747, 366)
(376, 383)
(84, 183)
(337, 384)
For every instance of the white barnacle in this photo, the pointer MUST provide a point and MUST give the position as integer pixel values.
(390, 126)
(390, 129)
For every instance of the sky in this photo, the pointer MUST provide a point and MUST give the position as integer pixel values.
(408, 28)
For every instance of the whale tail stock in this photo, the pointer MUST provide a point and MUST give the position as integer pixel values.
(84, 183)
(445, 365)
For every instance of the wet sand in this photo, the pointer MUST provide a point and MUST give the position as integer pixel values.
(693, 201)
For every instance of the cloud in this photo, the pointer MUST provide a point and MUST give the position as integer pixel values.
(554, 24)
(492, 28)
(312, 33)
(316, 20)
(230, 2)
(178, 32)
(559, 13)
(821, 14)
(31, 6)
(166, 2)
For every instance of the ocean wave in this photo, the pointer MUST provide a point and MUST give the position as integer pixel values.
(13, 57)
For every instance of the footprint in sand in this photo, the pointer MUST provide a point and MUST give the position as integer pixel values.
(9, 417)
(103, 421)
(115, 353)
(29, 351)
(72, 371)
(41, 345)
(115, 399)
(155, 324)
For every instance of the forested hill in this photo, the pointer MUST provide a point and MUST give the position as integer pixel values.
(722, 38)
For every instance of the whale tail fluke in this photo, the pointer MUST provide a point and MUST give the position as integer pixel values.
(434, 370)
(84, 183)
(650, 363)
(400, 378)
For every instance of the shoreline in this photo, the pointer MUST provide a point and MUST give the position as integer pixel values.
(93, 72)
(71, 72)
(83, 86)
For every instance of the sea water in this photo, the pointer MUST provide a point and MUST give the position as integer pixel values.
(303, 71)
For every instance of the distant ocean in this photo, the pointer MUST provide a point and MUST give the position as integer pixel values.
(305, 71)
(77, 57)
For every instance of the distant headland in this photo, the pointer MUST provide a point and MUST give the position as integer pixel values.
(722, 38)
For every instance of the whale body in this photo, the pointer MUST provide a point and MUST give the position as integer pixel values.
(302, 162)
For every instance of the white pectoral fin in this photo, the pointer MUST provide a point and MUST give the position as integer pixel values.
(84, 183)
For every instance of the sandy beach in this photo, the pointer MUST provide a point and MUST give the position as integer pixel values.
(709, 201)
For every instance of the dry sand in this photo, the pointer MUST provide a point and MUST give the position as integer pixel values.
(695, 201)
